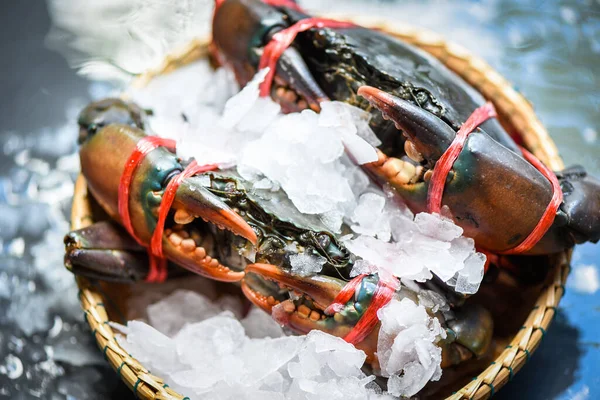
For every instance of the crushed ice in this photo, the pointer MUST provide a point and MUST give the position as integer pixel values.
(213, 355)
(406, 347)
(420, 245)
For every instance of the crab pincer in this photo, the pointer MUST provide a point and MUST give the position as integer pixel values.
(194, 215)
(496, 195)
(304, 303)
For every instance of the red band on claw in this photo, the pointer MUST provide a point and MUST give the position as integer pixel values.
(549, 214)
(446, 161)
(383, 295)
(283, 39)
(158, 264)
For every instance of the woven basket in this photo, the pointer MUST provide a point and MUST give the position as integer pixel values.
(515, 113)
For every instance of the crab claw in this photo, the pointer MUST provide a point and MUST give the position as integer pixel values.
(295, 88)
(190, 241)
(241, 45)
(494, 194)
(429, 134)
(300, 302)
(105, 251)
(321, 289)
(195, 199)
(196, 214)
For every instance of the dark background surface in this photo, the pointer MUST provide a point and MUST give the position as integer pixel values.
(56, 352)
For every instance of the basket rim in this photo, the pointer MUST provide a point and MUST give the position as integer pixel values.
(514, 108)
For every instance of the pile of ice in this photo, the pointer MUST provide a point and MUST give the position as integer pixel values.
(394, 240)
(407, 348)
(314, 158)
(216, 356)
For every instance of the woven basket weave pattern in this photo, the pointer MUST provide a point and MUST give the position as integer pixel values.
(515, 112)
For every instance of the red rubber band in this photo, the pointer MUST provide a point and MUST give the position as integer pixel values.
(549, 214)
(383, 295)
(142, 148)
(218, 4)
(167, 201)
(283, 39)
(446, 161)
(158, 264)
(344, 295)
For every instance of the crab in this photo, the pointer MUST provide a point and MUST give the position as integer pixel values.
(417, 106)
(219, 228)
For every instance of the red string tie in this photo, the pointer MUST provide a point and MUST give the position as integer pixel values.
(283, 39)
(446, 161)
(383, 295)
(158, 264)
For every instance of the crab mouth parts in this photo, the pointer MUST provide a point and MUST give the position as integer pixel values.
(268, 293)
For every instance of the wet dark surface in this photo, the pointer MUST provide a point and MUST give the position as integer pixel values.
(46, 349)
(550, 50)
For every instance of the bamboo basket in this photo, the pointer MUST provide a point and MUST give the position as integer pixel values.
(515, 113)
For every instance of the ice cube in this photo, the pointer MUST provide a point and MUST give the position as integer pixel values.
(362, 267)
(214, 337)
(342, 357)
(435, 226)
(432, 300)
(348, 118)
(470, 277)
(305, 264)
(407, 347)
(369, 219)
(238, 106)
(150, 346)
(181, 307)
(259, 324)
(264, 357)
(263, 112)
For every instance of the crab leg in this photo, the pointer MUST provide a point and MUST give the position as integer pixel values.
(105, 251)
